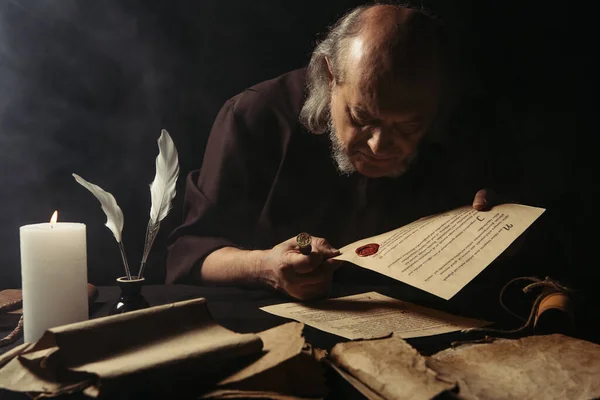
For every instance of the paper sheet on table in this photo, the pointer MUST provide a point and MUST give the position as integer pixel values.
(370, 315)
(442, 253)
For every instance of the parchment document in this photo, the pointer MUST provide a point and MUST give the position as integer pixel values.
(370, 315)
(442, 253)
(535, 367)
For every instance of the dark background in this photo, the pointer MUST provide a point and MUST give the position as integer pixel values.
(86, 87)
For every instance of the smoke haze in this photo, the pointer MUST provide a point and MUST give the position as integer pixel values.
(86, 87)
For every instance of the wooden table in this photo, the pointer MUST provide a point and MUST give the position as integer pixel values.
(238, 309)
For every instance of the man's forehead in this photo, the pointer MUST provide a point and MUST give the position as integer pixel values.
(377, 82)
(397, 116)
(361, 108)
(390, 97)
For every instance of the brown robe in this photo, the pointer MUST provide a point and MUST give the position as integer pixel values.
(265, 178)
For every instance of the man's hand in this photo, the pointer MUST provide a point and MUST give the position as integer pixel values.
(301, 276)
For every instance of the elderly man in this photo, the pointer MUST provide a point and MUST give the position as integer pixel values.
(344, 149)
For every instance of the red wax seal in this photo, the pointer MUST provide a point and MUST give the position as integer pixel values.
(367, 250)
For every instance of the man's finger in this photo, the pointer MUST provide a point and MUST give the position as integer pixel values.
(322, 246)
(303, 264)
(484, 200)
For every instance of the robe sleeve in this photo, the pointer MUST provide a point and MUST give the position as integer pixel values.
(224, 198)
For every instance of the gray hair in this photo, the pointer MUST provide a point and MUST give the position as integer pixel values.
(315, 113)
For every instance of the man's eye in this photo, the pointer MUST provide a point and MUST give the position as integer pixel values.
(410, 128)
(356, 122)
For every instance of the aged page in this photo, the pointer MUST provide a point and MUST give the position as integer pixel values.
(533, 367)
(442, 253)
(371, 315)
(391, 368)
(541, 367)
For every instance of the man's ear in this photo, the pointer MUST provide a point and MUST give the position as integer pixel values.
(330, 70)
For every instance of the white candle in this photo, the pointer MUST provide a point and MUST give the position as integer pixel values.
(54, 275)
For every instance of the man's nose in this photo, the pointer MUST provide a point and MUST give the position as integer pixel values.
(379, 142)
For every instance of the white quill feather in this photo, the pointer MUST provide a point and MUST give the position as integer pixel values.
(162, 189)
(109, 205)
(114, 215)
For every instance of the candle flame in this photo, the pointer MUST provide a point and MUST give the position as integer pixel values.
(54, 217)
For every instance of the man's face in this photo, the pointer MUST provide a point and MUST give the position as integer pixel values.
(376, 134)
(380, 113)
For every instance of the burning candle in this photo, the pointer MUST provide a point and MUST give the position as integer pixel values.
(54, 275)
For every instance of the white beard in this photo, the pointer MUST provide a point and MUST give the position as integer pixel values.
(345, 167)
(338, 152)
